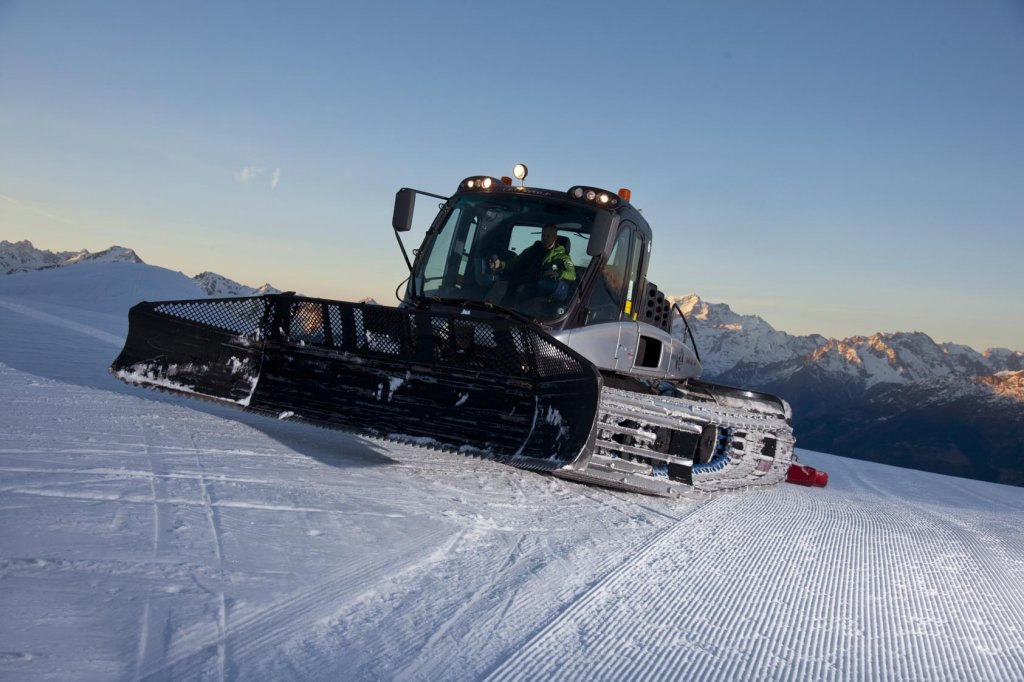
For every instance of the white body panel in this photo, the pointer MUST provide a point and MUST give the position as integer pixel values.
(633, 348)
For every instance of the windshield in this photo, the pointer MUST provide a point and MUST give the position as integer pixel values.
(527, 253)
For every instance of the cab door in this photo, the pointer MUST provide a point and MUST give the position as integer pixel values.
(611, 309)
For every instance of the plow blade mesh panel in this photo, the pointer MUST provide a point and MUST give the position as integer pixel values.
(478, 382)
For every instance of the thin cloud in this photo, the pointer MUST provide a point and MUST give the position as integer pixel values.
(248, 173)
(35, 209)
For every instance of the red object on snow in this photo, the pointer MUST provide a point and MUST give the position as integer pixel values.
(801, 474)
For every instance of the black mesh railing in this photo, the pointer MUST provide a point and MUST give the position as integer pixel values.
(482, 342)
(242, 316)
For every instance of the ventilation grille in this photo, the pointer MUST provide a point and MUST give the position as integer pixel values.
(656, 310)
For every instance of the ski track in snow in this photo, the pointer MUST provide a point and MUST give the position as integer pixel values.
(146, 536)
(113, 340)
(868, 587)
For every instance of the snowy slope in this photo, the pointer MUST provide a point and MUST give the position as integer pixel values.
(144, 535)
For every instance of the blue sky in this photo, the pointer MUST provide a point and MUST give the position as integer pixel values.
(837, 168)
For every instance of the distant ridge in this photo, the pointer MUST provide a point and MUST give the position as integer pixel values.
(23, 256)
(898, 398)
(220, 286)
(740, 345)
(16, 257)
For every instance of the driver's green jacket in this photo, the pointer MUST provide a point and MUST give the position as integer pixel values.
(542, 259)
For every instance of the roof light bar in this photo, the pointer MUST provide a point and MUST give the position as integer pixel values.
(601, 197)
(480, 182)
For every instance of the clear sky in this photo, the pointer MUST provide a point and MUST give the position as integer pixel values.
(838, 168)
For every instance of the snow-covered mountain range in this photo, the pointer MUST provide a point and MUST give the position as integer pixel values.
(23, 257)
(899, 398)
(745, 346)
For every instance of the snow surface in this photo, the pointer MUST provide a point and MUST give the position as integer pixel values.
(145, 535)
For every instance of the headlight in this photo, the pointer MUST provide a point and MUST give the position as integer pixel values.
(593, 194)
(479, 182)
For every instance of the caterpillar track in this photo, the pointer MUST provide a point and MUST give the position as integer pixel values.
(681, 445)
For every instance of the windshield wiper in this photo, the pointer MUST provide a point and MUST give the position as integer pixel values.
(488, 306)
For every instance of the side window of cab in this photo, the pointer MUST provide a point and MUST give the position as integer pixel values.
(633, 276)
(608, 298)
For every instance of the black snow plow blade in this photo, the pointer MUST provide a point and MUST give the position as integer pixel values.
(467, 380)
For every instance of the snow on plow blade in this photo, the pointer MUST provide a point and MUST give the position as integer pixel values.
(465, 380)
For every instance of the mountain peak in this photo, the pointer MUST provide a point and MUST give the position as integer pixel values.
(115, 254)
(1007, 384)
(220, 286)
(17, 257)
(1009, 359)
(23, 257)
(741, 349)
(266, 289)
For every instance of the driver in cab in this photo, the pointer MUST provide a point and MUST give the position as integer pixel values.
(546, 264)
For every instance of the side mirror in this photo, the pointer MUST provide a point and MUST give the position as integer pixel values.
(602, 234)
(405, 201)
